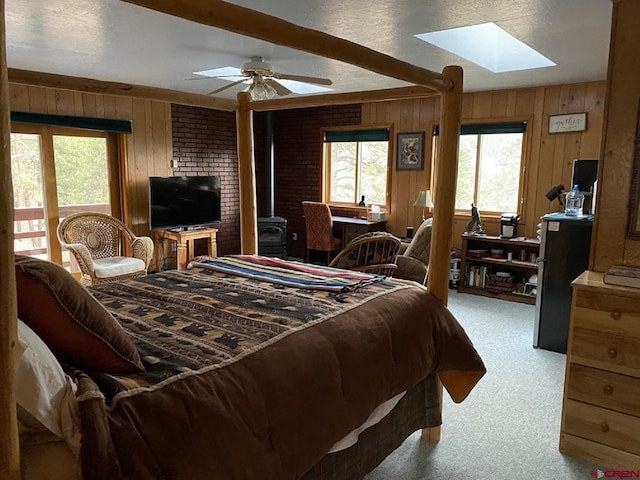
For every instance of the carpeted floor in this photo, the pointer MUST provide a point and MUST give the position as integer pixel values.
(508, 428)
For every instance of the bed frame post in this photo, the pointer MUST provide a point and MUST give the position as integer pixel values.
(9, 448)
(247, 175)
(446, 173)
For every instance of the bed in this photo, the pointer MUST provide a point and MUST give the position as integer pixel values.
(244, 366)
(380, 438)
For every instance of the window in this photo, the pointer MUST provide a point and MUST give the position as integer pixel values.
(57, 171)
(490, 167)
(356, 165)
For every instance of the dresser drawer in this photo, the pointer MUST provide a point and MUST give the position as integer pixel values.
(601, 425)
(605, 389)
(615, 314)
(608, 352)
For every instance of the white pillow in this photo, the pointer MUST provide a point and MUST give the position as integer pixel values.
(45, 392)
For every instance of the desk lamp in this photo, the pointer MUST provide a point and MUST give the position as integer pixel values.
(554, 193)
(424, 201)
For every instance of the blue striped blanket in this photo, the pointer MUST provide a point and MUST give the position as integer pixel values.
(289, 273)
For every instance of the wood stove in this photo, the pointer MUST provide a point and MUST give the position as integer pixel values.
(272, 237)
(272, 230)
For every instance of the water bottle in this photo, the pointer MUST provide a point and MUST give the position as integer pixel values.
(574, 202)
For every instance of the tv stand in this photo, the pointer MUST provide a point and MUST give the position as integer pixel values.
(184, 243)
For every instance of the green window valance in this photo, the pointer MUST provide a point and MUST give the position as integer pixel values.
(367, 135)
(84, 123)
(488, 128)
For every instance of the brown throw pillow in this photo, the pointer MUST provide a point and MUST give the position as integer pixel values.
(73, 324)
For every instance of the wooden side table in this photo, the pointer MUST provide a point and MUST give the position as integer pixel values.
(184, 242)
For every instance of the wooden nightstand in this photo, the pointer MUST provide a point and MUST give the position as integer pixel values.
(184, 242)
(601, 406)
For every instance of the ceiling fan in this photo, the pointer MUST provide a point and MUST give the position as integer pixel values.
(265, 83)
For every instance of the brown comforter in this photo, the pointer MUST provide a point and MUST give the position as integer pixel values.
(273, 410)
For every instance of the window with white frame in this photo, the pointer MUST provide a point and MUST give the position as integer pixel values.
(356, 165)
(490, 167)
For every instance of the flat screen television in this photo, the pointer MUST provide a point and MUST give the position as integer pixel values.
(184, 202)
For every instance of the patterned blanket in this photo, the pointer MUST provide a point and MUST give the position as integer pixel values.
(187, 320)
(284, 272)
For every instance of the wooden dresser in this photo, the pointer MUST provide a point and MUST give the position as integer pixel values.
(601, 405)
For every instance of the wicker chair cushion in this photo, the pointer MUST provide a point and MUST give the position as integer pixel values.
(115, 266)
(73, 324)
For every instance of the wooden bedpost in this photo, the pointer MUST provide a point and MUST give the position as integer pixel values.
(247, 174)
(444, 200)
(9, 449)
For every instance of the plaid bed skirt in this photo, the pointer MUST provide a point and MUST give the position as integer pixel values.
(419, 408)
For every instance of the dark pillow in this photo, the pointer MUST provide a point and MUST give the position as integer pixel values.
(73, 324)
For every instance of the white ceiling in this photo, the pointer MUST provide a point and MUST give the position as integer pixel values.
(116, 41)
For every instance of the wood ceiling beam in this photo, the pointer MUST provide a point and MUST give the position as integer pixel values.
(89, 85)
(343, 98)
(244, 21)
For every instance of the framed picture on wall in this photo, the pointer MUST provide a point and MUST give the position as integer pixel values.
(410, 151)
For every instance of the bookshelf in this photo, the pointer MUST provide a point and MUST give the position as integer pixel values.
(485, 268)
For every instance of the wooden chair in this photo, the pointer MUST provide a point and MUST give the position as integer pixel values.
(372, 252)
(319, 229)
(97, 241)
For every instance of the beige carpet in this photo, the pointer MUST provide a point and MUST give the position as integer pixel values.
(508, 428)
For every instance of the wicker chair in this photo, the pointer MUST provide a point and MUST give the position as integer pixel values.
(373, 252)
(319, 229)
(97, 242)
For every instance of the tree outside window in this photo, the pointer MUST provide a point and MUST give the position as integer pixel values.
(490, 166)
(356, 165)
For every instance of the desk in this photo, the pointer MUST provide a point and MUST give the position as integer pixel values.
(349, 228)
(184, 243)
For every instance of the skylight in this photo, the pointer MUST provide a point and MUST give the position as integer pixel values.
(489, 46)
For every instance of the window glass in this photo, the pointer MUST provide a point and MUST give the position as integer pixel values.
(343, 171)
(373, 172)
(489, 168)
(357, 169)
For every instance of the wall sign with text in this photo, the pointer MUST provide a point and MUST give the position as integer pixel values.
(572, 122)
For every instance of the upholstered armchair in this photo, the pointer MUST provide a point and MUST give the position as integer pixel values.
(413, 261)
(319, 229)
(372, 252)
(98, 242)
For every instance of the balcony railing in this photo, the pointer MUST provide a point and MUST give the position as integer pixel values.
(30, 236)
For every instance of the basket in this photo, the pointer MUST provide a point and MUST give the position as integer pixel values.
(496, 283)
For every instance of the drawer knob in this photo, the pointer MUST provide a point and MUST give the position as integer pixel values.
(604, 427)
(607, 389)
(612, 353)
(616, 315)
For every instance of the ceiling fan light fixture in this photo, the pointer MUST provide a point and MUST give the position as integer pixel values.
(259, 90)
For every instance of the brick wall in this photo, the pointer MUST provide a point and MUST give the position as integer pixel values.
(204, 143)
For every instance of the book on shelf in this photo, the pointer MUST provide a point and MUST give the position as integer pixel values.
(623, 276)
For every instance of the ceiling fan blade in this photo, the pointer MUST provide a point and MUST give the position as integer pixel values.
(301, 78)
(278, 87)
(232, 84)
(207, 77)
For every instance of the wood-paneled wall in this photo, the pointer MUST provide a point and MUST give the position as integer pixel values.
(548, 156)
(548, 159)
(148, 149)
